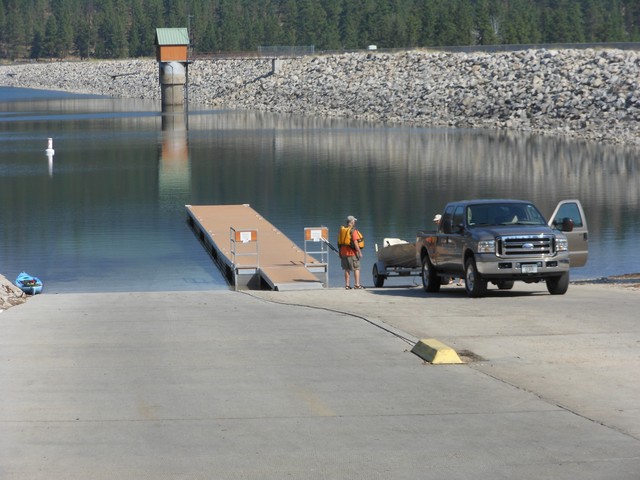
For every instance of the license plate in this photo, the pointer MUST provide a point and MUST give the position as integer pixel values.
(529, 268)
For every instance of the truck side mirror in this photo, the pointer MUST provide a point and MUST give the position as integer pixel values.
(567, 224)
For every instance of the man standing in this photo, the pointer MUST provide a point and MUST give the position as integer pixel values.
(350, 243)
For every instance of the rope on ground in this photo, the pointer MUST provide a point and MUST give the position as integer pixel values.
(354, 315)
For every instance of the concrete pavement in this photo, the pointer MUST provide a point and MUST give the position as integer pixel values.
(260, 385)
(578, 350)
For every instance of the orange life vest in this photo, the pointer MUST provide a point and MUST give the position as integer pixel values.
(345, 238)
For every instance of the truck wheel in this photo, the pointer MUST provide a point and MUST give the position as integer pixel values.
(378, 280)
(558, 285)
(430, 281)
(474, 284)
(505, 284)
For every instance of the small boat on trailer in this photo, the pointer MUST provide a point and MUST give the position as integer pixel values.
(29, 284)
(396, 258)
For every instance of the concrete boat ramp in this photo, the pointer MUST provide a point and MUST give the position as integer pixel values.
(253, 254)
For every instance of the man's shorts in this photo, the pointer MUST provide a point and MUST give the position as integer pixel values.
(350, 262)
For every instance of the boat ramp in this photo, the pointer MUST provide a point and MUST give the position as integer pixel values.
(253, 254)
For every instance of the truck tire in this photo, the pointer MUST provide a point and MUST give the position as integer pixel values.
(378, 280)
(474, 284)
(430, 280)
(558, 285)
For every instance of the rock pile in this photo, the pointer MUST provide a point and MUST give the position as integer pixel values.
(10, 295)
(589, 94)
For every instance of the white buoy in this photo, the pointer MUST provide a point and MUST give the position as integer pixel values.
(50, 152)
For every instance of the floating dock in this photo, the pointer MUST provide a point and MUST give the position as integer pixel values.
(253, 254)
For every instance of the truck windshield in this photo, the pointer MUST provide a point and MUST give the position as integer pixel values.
(503, 214)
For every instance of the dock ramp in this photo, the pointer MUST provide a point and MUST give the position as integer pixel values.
(251, 252)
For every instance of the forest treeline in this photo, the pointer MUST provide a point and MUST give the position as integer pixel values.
(126, 28)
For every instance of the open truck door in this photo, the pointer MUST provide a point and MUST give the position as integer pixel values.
(569, 218)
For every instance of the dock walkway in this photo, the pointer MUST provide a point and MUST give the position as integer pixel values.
(251, 252)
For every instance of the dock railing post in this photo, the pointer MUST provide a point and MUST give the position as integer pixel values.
(241, 243)
(315, 238)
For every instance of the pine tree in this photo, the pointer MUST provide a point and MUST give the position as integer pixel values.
(519, 23)
(141, 33)
(348, 25)
(310, 23)
(50, 42)
(289, 14)
(84, 40)
(615, 22)
(36, 46)
(632, 20)
(112, 38)
(429, 19)
(16, 35)
(330, 36)
(61, 9)
(229, 26)
(485, 24)
(177, 13)
(273, 32)
(2, 24)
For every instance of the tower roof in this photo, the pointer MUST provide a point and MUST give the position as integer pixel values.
(172, 36)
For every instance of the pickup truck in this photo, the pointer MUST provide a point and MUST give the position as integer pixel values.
(501, 241)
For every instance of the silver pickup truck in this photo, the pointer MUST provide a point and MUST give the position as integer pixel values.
(500, 241)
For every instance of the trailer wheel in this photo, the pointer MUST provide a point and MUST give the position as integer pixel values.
(430, 280)
(378, 280)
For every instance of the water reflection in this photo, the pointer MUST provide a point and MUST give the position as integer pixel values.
(396, 179)
(174, 153)
(112, 215)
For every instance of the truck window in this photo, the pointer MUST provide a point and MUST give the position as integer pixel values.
(478, 215)
(568, 210)
(504, 214)
(445, 222)
(531, 215)
(458, 217)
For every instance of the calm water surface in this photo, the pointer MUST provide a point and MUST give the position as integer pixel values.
(106, 213)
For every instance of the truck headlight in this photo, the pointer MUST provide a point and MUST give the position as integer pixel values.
(562, 245)
(487, 246)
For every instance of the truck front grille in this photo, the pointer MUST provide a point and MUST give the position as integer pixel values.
(525, 246)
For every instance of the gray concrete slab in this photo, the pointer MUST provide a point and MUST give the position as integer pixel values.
(579, 350)
(235, 385)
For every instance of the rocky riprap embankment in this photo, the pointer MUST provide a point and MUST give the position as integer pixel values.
(10, 295)
(590, 94)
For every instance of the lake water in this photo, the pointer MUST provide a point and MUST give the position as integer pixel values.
(106, 213)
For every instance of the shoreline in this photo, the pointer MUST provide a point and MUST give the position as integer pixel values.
(589, 95)
(11, 296)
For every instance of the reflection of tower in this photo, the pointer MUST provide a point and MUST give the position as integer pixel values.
(174, 153)
(50, 152)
